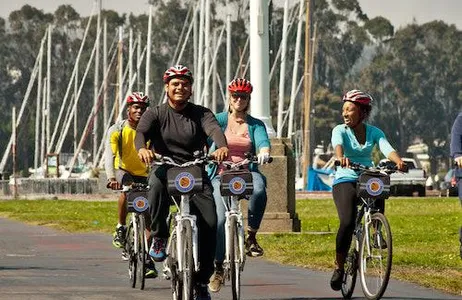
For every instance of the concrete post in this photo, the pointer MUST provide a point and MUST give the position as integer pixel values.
(280, 214)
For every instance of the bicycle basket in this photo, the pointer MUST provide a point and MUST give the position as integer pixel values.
(186, 180)
(373, 185)
(137, 201)
(236, 183)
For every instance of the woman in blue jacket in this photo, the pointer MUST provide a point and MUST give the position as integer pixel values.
(244, 133)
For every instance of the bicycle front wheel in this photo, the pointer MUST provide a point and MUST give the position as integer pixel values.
(172, 263)
(375, 257)
(351, 270)
(141, 251)
(235, 263)
(188, 262)
(132, 257)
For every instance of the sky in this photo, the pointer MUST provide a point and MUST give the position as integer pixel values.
(399, 12)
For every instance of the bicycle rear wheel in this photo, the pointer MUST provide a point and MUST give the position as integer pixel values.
(141, 251)
(351, 270)
(188, 262)
(132, 257)
(376, 257)
(235, 262)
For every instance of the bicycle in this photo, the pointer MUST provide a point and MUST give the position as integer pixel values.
(136, 244)
(236, 183)
(371, 249)
(184, 180)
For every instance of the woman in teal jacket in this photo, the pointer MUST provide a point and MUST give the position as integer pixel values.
(244, 133)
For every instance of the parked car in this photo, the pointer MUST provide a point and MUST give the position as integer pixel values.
(408, 183)
(448, 186)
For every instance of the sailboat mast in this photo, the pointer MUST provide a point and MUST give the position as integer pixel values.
(307, 96)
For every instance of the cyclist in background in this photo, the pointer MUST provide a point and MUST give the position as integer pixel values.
(244, 133)
(456, 154)
(123, 166)
(177, 129)
(354, 141)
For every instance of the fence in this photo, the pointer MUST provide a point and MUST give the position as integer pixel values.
(53, 186)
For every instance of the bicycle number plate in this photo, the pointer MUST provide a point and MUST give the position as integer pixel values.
(137, 201)
(183, 181)
(373, 185)
(236, 183)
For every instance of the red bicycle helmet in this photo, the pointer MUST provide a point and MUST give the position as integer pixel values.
(359, 97)
(137, 97)
(240, 85)
(177, 71)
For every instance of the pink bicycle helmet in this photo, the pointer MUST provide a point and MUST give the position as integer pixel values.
(359, 97)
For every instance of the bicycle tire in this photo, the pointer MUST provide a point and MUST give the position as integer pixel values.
(375, 269)
(132, 258)
(141, 251)
(351, 270)
(188, 261)
(172, 261)
(235, 264)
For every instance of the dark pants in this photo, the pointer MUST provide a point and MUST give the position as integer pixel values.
(346, 202)
(202, 206)
(125, 178)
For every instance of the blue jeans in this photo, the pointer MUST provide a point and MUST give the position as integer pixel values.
(256, 209)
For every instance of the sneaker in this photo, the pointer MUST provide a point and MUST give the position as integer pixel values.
(216, 281)
(252, 248)
(157, 250)
(125, 255)
(119, 237)
(337, 279)
(151, 271)
(201, 292)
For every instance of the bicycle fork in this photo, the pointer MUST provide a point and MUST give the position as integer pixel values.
(234, 212)
(185, 216)
(135, 232)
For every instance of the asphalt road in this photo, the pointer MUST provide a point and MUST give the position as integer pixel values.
(42, 263)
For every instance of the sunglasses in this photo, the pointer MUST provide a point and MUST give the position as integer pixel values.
(240, 95)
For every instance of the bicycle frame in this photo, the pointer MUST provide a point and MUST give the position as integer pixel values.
(365, 212)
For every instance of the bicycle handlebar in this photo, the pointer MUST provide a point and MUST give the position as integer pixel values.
(249, 158)
(387, 167)
(133, 186)
(200, 159)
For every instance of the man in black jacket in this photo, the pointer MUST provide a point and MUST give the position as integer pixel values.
(177, 129)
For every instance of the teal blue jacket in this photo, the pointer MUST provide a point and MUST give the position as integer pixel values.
(257, 133)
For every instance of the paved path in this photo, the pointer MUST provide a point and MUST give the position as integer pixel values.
(41, 263)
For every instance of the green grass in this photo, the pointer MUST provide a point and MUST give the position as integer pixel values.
(425, 240)
(425, 234)
(71, 216)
